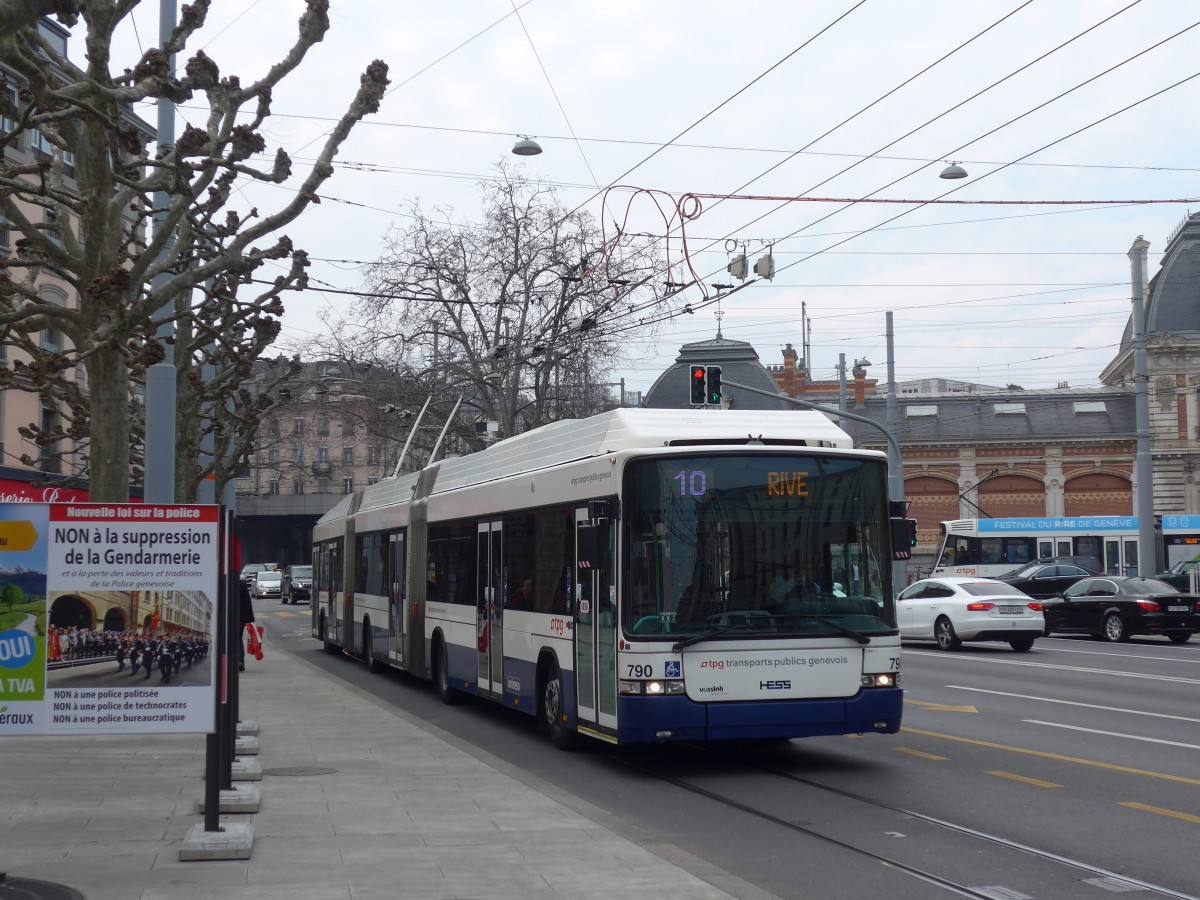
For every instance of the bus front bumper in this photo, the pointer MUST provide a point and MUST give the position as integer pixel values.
(658, 719)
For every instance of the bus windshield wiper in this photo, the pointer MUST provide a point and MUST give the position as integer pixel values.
(705, 635)
(836, 626)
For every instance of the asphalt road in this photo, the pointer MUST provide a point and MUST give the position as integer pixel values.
(1069, 771)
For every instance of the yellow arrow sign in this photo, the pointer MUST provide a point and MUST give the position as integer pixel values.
(941, 707)
(17, 536)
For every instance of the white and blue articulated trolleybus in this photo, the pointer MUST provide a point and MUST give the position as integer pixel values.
(638, 576)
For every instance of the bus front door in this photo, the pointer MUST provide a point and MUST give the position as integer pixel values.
(489, 607)
(595, 623)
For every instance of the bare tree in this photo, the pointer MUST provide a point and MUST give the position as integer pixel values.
(81, 209)
(532, 297)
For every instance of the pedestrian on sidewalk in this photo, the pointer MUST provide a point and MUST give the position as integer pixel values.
(246, 609)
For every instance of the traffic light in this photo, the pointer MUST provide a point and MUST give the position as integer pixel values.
(712, 380)
(904, 537)
(698, 380)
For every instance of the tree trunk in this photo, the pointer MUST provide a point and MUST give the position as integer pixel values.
(108, 382)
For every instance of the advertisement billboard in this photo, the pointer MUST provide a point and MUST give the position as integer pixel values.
(108, 614)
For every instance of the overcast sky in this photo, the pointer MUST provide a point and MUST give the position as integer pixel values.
(813, 100)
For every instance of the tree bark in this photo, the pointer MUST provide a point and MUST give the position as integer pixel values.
(108, 380)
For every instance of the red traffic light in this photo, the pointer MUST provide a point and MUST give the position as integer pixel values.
(697, 392)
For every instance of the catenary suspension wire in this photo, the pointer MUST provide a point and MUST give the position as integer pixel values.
(557, 100)
(1000, 169)
(856, 234)
(951, 109)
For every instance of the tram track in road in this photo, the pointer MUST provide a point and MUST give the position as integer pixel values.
(1104, 880)
(766, 814)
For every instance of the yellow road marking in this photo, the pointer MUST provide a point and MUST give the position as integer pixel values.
(1060, 757)
(1158, 810)
(285, 615)
(921, 753)
(1036, 782)
(941, 707)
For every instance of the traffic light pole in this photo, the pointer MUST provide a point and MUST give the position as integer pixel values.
(895, 484)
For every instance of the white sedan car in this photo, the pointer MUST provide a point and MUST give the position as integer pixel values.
(954, 608)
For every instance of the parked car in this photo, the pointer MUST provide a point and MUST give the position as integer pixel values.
(954, 608)
(1040, 580)
(1179, 576)
(1114, 607)
(1089, 564)
(267, 585)
(297, 584)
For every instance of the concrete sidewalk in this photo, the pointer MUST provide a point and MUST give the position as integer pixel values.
(402, 811)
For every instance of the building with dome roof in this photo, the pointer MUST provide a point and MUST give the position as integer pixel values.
(739, 362)
(1172, 310)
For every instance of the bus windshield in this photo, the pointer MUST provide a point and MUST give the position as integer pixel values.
(756, 544)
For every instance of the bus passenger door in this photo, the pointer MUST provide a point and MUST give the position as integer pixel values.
(489, 607)
(595, 618)
(396, 598)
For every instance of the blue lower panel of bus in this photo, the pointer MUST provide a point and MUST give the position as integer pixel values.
(643, 719)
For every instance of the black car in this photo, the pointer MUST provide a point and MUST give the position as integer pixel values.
(1040, 580)
(297, 584)
(1089, 564)
(1179, 576)
(1114, 607)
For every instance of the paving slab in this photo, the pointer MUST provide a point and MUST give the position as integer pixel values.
(395, 809)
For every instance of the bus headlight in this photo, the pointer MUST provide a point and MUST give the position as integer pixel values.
(881, 679)
(652, 688)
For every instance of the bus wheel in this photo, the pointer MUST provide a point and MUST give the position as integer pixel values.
(330, 647)
(441, 676)
(374, 666)
(553, 700)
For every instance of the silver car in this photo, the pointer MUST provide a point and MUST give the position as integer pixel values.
(267, 584)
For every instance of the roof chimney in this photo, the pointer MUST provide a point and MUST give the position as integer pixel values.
(860, 387)
(789, 370)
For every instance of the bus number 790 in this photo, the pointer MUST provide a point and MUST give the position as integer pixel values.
(640, 670)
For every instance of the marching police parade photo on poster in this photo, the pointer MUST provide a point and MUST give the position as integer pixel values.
(107, 617)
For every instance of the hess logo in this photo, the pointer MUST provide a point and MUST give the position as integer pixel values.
(774, 685)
